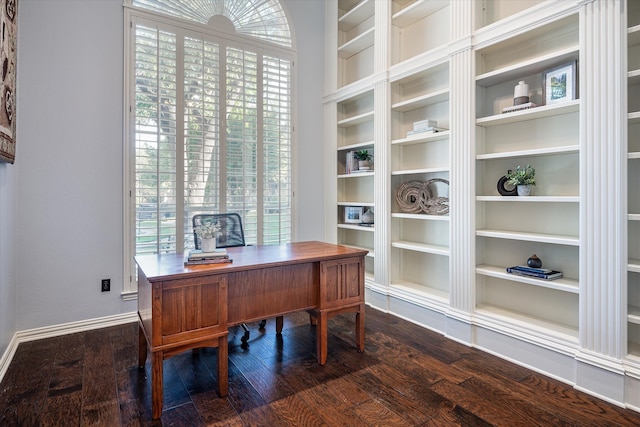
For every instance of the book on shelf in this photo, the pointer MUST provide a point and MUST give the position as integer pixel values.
(425, 130)
(539, 273)
(351, 163)
(519, 107)
(424, 124)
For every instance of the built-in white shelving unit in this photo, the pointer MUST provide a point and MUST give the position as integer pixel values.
(356, 36)
(420, 241)
(355, 120)
(400, 62)
(633, 174)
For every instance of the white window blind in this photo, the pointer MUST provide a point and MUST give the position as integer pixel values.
(220, 141)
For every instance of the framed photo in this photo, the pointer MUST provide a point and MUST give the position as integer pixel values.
(353, 214)
(560, 83)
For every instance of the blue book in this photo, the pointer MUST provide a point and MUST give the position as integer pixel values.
(551, 275)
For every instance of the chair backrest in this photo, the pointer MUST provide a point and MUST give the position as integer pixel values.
(231, 232)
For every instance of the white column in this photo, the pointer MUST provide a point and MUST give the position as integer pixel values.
(462, 160)
(603, 200)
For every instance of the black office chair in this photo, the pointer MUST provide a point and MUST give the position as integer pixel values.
(231, 235)
(231, 231)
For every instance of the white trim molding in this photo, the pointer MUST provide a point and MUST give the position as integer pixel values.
(61, 329)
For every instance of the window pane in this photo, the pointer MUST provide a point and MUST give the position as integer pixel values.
(155, 139)
(202, 130)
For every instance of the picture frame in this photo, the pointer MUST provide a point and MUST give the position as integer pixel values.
(8, 59)
(560, 84)
(353, 214)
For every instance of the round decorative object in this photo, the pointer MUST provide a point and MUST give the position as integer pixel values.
(208, 245)
(412, 196)
(422, 197)
(534, 261)
(503, 190)
(367, 217)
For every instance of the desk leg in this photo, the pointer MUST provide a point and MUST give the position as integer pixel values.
(279, 324)
(360, 329)
(142, 347)
(321, 335)
(156, 384)
(223, 366)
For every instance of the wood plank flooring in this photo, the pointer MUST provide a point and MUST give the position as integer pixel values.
(408, 376)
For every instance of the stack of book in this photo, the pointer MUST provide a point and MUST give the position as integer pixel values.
(423, 126)
(197, 257)
(351, 163)
(519, 107)
(539, 273)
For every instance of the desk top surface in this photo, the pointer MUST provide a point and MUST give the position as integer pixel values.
(170, 266)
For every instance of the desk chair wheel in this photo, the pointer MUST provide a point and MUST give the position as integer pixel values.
(245, 336)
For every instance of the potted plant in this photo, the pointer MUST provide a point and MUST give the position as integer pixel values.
(523, 179)
(363, 158)
(207, 232)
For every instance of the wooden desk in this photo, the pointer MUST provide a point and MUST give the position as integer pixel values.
(182, 308)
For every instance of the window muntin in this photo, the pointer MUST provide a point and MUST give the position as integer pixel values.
(263, 19)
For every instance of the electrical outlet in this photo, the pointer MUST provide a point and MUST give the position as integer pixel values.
(106, 285)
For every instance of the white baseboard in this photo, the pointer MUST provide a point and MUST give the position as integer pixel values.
(7, 357)
(62, 329)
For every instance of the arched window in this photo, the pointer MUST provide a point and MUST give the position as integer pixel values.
(209, 124)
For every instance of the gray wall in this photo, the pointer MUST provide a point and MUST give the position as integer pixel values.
(63, 197)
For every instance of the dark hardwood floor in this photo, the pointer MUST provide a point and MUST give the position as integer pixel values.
(408, 376)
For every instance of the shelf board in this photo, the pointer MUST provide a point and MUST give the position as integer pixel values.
(633, 217)
(355, 16)
(563, 284)
(530, 199)
(633, 77)
(416, 171)
(351, 203)
(634, 155)
(426, 137)
(356, 120)
(531, 114)
(422, 217)
(356, 175)
(527, 68)
(533, 152)
(424, 291)
(356, 146)
(557, 330)
(356, 227)
(421, 101)
(634, 117)
(416, 11)
(357, 44)
(530, 237)
(633, 35)
(421, 247)
(633, 265)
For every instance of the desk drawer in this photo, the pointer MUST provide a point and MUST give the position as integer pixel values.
(341, 282)
(189, 309)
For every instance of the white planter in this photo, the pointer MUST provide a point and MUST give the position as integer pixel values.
(524, 190)
(208, 245)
